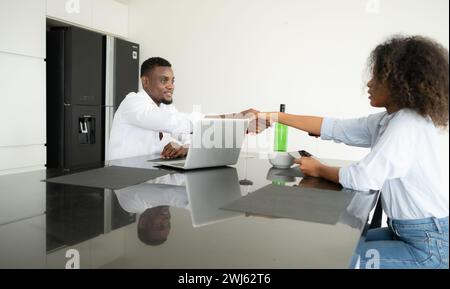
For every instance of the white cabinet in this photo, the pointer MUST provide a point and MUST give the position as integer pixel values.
(23, 107)
(108, 16)
(22, 82)
(74, 11)
(17, 159)
(22, 27)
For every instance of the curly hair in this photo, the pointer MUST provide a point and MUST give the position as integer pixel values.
(415, 70)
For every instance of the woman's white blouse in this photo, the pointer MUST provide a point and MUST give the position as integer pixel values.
(404, 163)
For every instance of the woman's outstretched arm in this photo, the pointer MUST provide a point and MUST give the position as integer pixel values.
(310, 124)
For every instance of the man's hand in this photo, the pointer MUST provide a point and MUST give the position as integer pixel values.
(173, 150)
(309, 166)
(246, 114)
(249, 113)
(259, 121)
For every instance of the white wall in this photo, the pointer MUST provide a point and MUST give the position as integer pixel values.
(22, 83)
(23, 72)
(229, 55)
(104, 16)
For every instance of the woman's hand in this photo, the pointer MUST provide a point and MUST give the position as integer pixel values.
(312, 167)
(309, 166)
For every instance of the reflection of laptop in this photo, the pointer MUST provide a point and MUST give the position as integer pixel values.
(216, 142)
(208, 190)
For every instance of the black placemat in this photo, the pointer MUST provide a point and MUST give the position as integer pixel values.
(307, 204)
(113, 177)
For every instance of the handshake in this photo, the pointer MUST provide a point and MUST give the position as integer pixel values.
(259, 121)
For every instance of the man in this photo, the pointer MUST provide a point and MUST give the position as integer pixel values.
(146, 122)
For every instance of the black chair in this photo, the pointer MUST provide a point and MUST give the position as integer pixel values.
(377, 215)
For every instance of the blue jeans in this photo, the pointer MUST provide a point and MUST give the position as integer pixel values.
(414, 244)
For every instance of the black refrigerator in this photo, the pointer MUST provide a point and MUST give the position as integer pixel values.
(88, 74)
(122, 69)
(75, 98)
(122, 77)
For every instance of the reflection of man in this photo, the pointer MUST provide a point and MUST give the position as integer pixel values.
(146, 122)
(154, 225)
(151, 200)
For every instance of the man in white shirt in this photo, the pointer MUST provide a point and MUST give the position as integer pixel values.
(146, 122)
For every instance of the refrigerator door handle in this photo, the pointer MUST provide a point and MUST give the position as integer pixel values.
(83, 126)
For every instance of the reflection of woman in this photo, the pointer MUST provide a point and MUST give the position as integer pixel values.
(355, 215)
(410, 80)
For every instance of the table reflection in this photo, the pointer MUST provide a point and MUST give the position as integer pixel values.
(292, 195)
(76, 214)
(202, 192)
(111, 228)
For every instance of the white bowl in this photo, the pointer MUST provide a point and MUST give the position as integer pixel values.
(281, 160)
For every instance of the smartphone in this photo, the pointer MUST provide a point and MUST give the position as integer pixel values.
(304, 153)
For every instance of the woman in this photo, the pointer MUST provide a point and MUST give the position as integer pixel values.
(410, 79)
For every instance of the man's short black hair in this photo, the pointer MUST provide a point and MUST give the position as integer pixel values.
(152, 62)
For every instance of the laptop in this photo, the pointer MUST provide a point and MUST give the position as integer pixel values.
(215, 142)
(208, 191)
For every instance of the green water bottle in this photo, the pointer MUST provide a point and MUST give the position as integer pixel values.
(281, 131)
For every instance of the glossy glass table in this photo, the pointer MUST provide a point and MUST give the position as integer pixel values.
(181, 220)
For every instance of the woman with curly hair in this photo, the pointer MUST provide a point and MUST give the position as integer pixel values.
(410, 80)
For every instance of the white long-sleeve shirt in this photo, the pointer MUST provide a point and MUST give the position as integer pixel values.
(167, 190)
(138, 122)
(404, 162)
